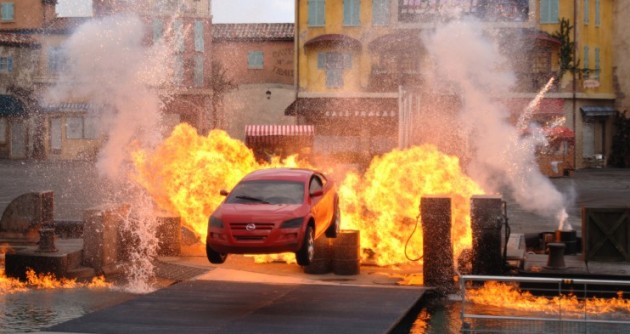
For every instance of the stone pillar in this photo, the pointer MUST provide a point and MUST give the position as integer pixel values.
(169, 235)
(101, 235)
(438, 269)
(486, 215)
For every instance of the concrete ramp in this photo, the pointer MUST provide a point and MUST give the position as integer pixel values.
(206, 306)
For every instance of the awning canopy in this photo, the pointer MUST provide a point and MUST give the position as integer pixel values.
(334, 40)
(10, 106)
(401, 41)
(344, 107)
(598, 111)
(273, 134)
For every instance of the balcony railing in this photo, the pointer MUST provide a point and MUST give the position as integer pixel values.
(486, 10)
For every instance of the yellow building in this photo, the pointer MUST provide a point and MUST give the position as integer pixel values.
(361, 64)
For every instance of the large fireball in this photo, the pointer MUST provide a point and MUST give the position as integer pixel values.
(185, 173)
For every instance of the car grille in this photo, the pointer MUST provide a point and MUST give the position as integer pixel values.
(250, 238)
(259, 226)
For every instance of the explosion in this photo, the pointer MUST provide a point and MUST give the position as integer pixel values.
(45, 281)
(185, 173)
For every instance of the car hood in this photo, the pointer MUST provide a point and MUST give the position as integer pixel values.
(259, 212)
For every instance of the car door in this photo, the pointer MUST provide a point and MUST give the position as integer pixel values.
(316, 187)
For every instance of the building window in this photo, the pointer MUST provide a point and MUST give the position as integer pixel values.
(255, 60)
(198, 71)
(3, 130)
(586, 11)
(586, 70)
(56, 60)
(597, 64)
(178, 26)
(380, 12)
(199, 42)
(334, 63)
(598, 18)
(6, 64)
(158, 29)
(316, 13)
(178, 70)
(549, 11)
(8, 13)
(351, 12)
(82, 127)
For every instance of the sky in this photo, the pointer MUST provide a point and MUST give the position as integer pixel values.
(223, 11)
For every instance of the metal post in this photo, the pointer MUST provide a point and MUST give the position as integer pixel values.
(438, 269)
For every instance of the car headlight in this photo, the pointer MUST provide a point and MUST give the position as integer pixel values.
(292, 223)
(215, 222)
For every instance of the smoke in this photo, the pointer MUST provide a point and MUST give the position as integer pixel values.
(467, 61)
(108, 64)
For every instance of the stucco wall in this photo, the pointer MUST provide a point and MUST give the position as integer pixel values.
(621, 49)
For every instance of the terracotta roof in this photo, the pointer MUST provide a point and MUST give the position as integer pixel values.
(66, 24)
(253, 31)
(10, 38)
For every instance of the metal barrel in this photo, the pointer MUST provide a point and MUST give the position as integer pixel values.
(346, 253)
(322, 260)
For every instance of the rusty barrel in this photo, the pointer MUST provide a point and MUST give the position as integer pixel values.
(322, 259)
(346, 253)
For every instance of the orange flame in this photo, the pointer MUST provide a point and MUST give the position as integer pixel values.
(185, 173)
(46, 281)
(509, 296)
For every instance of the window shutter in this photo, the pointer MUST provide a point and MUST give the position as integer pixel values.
(199, 45)
(198, 70)
(157, 29)
(321, 60)
(598, 19)
(597, 64)
(586, 11)
(179, 35)
(10, 64)
(316, 12)
(347, 60)
(554, 11)
(380, 12)
(586, 58)
(351, 11)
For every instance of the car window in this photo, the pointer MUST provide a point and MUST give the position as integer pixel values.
(267, 192)
(316, 184)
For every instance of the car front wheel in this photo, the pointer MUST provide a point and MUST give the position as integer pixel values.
(214, 256)
(304, 256)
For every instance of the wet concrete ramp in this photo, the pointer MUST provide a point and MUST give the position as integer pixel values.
(237, 307)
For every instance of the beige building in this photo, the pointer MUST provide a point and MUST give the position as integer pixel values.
(258, 59)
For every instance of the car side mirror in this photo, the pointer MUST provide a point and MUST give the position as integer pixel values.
(317, 193)
(223, 192)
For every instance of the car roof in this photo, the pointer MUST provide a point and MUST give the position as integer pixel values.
(288, 174)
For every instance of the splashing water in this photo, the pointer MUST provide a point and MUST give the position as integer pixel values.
(534, 104)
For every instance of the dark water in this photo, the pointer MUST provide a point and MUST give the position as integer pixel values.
(432, 315)
(36, 310)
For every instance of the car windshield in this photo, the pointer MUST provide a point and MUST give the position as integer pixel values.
(267, 192)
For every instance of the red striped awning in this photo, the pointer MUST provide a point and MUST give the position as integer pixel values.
(279, 130)
(274, 135)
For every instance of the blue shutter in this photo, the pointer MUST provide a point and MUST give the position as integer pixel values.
(598, 19)
(347, 60)
(321, 60)
(380, 12)
(597, 65)
(554, 11)
(157, 29)
(10, 64)
(586, 11)
(198, 70)
(586, 58)
(351, 12)
(179, 70)
(316, 12)
(334, 78)
(7, 11)
(199, 42)
(178, 26)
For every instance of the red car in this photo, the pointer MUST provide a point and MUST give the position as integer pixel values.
(273, 211)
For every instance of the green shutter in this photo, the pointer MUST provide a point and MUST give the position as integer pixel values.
(316, 12)
(199, 42)
(586, 58)
(597, 64)
(351, 12)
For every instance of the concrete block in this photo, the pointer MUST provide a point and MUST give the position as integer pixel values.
(101, 232)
